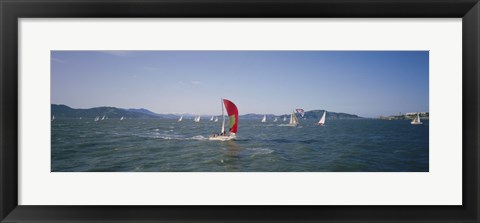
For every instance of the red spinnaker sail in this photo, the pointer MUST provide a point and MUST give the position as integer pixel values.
(232, 115)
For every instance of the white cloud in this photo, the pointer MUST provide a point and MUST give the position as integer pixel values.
(195, 82)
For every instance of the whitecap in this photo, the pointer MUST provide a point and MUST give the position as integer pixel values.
(260, 151)
(198, 137)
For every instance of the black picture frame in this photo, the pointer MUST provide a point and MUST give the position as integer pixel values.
(12, 10)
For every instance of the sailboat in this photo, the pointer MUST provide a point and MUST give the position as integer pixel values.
(322, 120)
(216, 119)
(284, 118)
(181, 118)
(53, 117)
(96, 119)
(121, 118)
(417, 120)
(103, 117)
(264, 118)
(275, 120)
(232, 112)
(197, 119)
(293, 120)
(211, 119)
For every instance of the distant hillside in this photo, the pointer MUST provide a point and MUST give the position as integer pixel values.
(314, 114)
(317, 114)
(63, 111)
(143, 111)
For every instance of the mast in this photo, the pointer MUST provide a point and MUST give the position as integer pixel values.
(223, 115)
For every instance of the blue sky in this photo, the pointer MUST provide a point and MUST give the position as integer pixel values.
(366, 83)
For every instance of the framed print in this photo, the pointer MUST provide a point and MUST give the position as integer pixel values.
(239, 111)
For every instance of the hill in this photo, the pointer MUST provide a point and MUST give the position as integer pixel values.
(314, 114)
(63, 111)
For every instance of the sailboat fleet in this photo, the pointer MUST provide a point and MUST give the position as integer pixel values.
(232, 112)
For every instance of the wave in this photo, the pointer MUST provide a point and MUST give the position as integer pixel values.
(259, 151)
(198, 137)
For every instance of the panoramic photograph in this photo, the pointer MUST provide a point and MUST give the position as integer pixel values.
(239, 111)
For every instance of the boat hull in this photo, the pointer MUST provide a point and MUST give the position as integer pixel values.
(222, 138)
(416, 123)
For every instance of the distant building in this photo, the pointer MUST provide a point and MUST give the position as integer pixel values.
(415, 113)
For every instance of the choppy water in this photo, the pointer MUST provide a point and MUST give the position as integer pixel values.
(157, 145)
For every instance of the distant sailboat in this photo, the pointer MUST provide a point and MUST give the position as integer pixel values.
(181, 118)
(275, 120)
(197, 119)
(96, 119)
(417, 120)
(216, 119)
(322, 120)
(211, 119)
(264, 118)
(53, 117)
(103, 117)
(293, 120)
(121, 118)
(232, 112)
(284, 118)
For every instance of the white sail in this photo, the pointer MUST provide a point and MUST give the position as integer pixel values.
(216, 119)
(197, 119)
(121, 118)
(416, 120)
(293, 119)
(103, 117)
(96, 119)
(284, 118)
(211, 119)
(264, 118)
(223, 115)
(181, 118)
(53, 117)
(322, 120)
(275, 120)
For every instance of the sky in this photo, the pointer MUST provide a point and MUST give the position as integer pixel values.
(365, 83)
